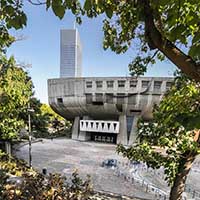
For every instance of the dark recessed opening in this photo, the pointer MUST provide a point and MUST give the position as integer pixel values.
(97, 103)
(132, 111)
(104, 137)
(59, 100)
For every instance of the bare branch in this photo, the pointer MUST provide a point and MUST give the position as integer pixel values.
(38, 3)
(20, 38)
(23, 64)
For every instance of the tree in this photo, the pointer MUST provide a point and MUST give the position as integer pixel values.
(55, 121)
(172, 138)
(161, 28)
(43, 118)
(11, 16)
(39, 119)
(15, 90)
(47, 109)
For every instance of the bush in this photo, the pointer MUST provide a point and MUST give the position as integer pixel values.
(37, 186)
(59, 133)
(39, 134)
(52, 187)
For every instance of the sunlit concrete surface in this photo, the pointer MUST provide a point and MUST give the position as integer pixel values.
(66, 155)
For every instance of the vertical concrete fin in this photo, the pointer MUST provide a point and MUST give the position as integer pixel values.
(122, 136)
(133, 134)
(83, 135)
(75, 128)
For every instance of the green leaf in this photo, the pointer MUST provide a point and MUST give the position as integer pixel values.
(109, 13)
(58, 8)
(194, 51)
(196, 38)
(87, 5)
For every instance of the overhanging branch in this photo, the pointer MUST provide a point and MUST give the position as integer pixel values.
(156, 40)
(37, 3)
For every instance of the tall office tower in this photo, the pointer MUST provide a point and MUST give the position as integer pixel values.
(70, 53)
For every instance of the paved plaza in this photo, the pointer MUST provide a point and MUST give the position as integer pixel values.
(65, 155)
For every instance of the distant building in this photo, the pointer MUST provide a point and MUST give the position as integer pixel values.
(106, 108)
(70, 53)
(102, 109)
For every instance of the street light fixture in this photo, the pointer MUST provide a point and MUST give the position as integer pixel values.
(29, 134)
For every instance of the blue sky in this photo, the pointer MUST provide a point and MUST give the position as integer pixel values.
(41, 49)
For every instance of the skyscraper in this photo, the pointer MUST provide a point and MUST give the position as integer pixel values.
(70, 53)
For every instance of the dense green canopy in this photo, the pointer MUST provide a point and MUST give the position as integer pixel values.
(158, 28)
(15, 90)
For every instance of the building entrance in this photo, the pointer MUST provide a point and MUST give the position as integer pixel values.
(104, 137)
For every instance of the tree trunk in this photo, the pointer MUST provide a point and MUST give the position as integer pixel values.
(156, 40)
(179, 182)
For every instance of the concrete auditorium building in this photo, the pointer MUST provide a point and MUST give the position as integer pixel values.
(102, 108)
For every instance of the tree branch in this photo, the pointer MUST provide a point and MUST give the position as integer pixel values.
(197, 136)
(157, 41)
(36, 3)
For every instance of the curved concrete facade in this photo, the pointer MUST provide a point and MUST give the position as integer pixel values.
(107, 98)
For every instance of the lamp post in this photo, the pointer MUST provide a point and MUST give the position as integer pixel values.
(29, 134)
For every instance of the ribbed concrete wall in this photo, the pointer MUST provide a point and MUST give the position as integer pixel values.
(105, 97)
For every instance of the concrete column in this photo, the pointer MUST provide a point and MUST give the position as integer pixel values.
(122, 136)
(84, 135)
(75, 128)
(133, 134)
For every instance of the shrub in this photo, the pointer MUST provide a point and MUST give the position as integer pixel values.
(37, 186)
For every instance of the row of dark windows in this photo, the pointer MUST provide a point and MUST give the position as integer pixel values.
(110, 84)
(132, 84)
(109, 98)
(100, 99)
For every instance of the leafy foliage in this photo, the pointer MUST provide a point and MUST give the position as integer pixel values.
(39, 119)
(156, 29)
(36, 186)
(15, 90)
(54, 122)
(46, 109)
(3, 179)
(127, 24)
(51, 187)
(12, 16)
(12, 165)
(171, 139)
